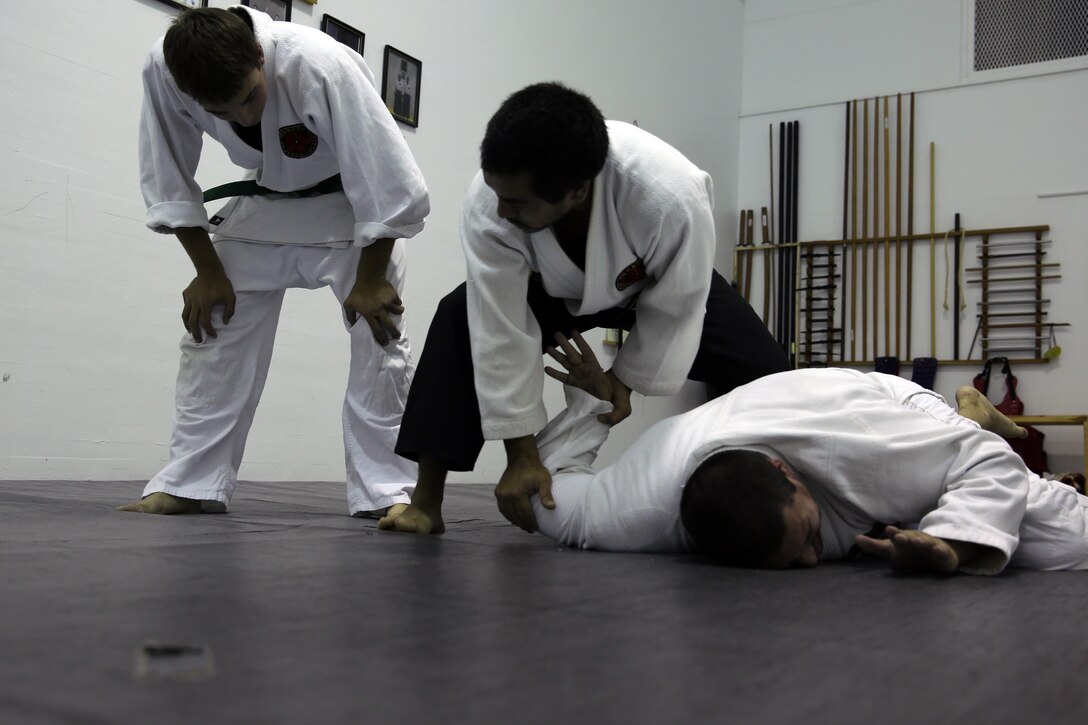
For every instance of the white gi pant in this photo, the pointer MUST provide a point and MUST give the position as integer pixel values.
(1054, 530)
(220, 380)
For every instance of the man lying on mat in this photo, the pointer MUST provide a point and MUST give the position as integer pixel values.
(809, 465)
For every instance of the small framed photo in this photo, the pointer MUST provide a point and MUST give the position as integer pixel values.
(401, 77)
(339, 30)
(186, 4)
(275, 9)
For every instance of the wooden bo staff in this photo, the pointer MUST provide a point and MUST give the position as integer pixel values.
(993, 280)
(845, 220)
(783, 236)
(853, 234)
(1005, 267)
(765, 217)
(898, 211)
(876, 225)
(1032, 301)
(910, 223)
(932, 250)
(865, 233)
(887, 234)
(796, 175)
(738, 261)
(750, 241)
(768, 230)
(956, 290)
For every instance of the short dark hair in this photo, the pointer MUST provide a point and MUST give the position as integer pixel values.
(554, 133)
(732, 507)
(209, 52)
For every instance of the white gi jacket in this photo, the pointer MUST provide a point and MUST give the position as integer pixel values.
(651, 235)
(323, 116)
(870, 447)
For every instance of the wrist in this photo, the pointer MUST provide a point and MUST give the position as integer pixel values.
(521, 451)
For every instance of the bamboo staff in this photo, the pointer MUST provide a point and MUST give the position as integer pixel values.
(898, 211)
(795, 177)
(887, 233)
(768, 234)
(766, 266)
(845, 231)
(750, 242)
(853, 235)
(783, 233)
(932, 249)
(876, 224)
(910, 223)
(738, 258)
(865, 233)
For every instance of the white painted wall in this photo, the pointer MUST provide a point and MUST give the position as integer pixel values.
(90, 299)
(1001, 142)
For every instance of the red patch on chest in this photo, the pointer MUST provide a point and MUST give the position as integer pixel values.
(297, 142)
(632, 273)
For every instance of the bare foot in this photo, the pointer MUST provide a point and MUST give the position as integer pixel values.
(163, 503)
(393, 510)
(975, 406)
(413, 520)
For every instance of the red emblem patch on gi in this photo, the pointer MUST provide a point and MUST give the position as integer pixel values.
(297, 142)
(632, 273)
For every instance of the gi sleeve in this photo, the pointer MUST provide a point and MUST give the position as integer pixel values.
(170, 145)
(657, 355)
(983, 502)
(505, 336)
(381, 179)
(568, 446)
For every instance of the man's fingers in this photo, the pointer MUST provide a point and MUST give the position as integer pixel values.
(620, 413)
(377, 331)
(518, 511)
(228, 312)
(390, 327)
(558, 357)
(585, 348)
(877, 547)
(350, 313)
(545, 493)
(206, 321)
(560, 376)
(396, 307)
(569, 350)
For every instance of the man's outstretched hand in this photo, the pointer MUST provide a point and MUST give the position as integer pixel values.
(585, 373)
(912, 551)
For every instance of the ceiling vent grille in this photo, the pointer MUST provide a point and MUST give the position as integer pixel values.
(1012, 33)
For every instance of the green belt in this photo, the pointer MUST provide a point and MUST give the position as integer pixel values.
(252, 188)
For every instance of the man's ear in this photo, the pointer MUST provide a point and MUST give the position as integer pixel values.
(581, 192)
(260, 56)
(780, 465)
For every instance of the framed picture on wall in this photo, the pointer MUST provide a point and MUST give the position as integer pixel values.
(339, 30)
(401, 76)
(186, 4)
(275, 9)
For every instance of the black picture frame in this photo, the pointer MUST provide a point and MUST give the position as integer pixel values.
(185, 4)
(401, 82)
(341, 31)
(275, 9)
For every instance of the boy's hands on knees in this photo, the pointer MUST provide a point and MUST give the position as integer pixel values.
(913, 551)
(209, 289)
(376, 301)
